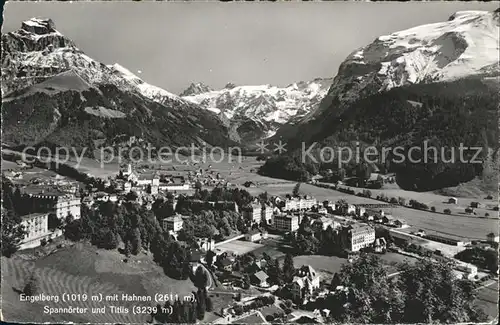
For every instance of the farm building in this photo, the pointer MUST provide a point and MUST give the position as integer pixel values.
(453, 200)
(475, 205)
(446, 240)
(491, 237)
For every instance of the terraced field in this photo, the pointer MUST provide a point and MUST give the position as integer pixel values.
(84, 269)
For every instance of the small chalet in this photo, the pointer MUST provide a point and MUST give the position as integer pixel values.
(388, 220)
(400, 223)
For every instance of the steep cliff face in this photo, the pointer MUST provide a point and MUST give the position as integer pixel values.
(53, 92)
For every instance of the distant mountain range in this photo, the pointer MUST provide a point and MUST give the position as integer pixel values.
(256, 112)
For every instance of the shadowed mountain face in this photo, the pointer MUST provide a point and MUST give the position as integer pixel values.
(54, 93)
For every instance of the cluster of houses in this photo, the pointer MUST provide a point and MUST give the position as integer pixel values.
(150, 182)
(287, 214)
(305, 280)
(377, 216)
(153, 182)
(281, 214)
(207, 177)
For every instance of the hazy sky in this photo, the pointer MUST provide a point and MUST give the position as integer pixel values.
(174, 44)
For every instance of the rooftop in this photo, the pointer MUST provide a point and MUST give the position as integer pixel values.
(261, 275)
(286, 216)
(176, 218)
(359, 227)
(253, 232)
(33, 215)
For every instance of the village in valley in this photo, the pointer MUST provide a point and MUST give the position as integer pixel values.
(255, 255)
(313, 165)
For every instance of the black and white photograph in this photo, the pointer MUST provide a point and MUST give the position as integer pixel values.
(265, 162)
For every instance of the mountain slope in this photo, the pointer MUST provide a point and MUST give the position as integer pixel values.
(437, 83)
(467, 44)
(47, 80)
(258, 111)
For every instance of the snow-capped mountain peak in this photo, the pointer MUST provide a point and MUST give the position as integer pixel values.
(152, 92)
(126, 73)
(264, 102)
(37, 51)
(195, 89)
(39, 26)
(466, 44)
(256, 112)
(46, 79)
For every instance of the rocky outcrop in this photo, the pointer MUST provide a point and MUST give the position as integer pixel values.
(195, 89)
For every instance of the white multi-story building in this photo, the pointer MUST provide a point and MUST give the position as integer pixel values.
(286, 223)
(62, 204)
(358, 236)
(206, 244)
(307, 202)
(305, 281)
(254, 213)
(37, 227)
(173, 223)
(267, 214)
(299, 203)
(360, 211)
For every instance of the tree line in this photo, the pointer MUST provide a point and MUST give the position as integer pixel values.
(424, 292)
